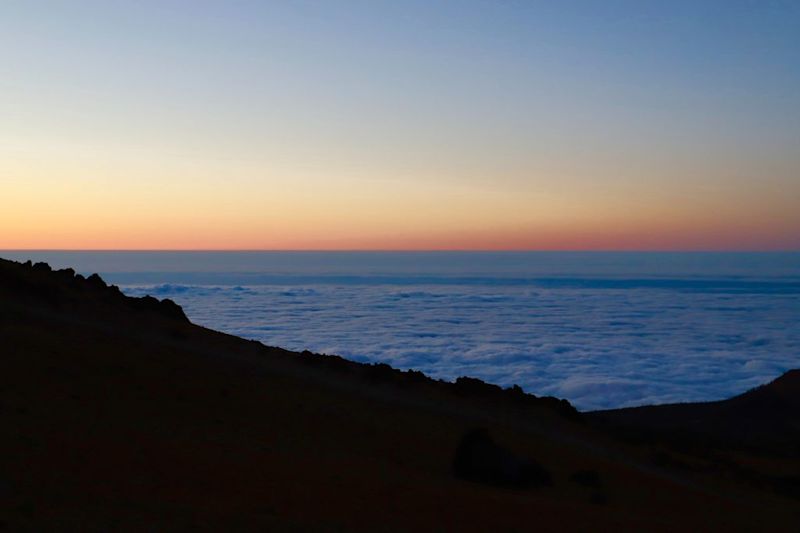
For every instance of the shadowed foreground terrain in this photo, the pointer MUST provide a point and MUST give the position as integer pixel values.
(119, 414)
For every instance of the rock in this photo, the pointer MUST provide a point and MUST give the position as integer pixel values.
(478, 458)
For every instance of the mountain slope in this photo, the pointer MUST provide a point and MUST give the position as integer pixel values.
(764, 419)
(119, 414)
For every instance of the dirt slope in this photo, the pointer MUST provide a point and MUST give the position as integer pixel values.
(118, 414)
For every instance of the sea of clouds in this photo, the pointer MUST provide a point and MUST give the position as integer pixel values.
(602, 329)
(599, 343)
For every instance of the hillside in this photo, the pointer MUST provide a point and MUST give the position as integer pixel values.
(119, 414)
(763, 420)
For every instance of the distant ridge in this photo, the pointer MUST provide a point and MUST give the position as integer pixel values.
(766, 417)
(782, 393)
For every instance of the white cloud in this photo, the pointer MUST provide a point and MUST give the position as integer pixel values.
(599, 347)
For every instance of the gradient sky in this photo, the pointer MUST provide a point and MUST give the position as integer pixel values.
(400, 125)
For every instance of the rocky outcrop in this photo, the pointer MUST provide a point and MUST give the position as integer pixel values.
(479, 458)
(37, 284)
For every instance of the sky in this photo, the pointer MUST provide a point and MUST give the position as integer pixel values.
(425, 125)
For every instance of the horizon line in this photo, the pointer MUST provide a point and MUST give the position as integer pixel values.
(395, 250)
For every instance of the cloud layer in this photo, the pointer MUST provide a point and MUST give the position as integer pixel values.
(600, 345)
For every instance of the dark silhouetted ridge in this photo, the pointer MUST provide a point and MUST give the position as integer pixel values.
(764, 418)
(27, 284)
(38, 285)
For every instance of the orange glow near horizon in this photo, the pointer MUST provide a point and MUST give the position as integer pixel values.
(643, 237)
(97, 206)
(81, 214)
